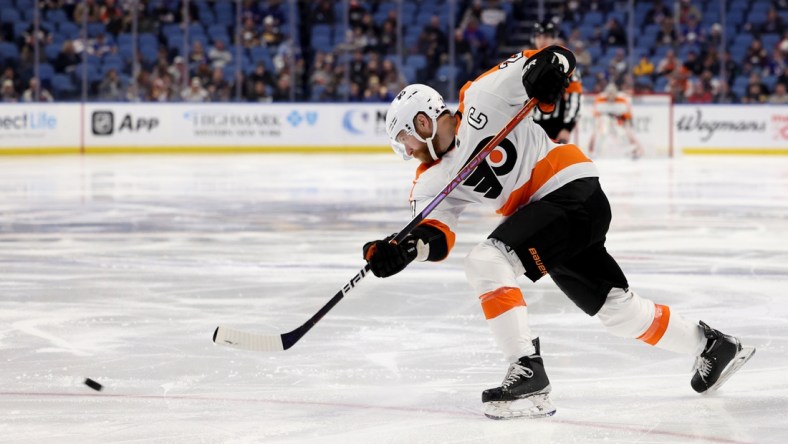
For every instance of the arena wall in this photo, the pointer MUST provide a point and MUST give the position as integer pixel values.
(350, 128)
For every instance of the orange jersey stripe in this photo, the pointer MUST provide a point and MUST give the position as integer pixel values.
(574, 87)
(450, 237)
(658, 326)
(501, 300)
(556, 160)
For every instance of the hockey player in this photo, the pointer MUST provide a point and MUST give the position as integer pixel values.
(555, 218)
(559, 123)
(613, 124)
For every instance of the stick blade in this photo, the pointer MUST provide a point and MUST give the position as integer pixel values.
(247, 341)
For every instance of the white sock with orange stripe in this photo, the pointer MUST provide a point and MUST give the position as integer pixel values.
(507, 317)
(492, 271)
(625, 314)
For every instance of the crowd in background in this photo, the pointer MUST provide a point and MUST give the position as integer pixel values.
(304, 52)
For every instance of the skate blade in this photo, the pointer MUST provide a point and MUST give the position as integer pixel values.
(537, 406)
(736, 363)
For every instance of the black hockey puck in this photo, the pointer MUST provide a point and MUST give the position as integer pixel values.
(93, 384)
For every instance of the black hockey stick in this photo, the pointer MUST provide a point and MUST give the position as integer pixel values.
(261, 342)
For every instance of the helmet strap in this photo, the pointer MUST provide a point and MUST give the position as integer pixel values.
(431, 149)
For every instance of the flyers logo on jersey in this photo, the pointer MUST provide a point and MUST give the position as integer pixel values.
(501, 161)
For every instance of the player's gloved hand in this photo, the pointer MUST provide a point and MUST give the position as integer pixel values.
(386, 259)
(546, 75)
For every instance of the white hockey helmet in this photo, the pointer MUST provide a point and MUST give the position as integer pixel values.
(414, 99)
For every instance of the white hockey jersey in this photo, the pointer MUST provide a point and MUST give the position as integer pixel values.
(525, 166)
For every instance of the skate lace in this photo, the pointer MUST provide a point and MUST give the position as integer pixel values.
(515, 372)
(703, 366)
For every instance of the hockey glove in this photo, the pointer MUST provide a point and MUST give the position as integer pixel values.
(386, 259)
(546, 75)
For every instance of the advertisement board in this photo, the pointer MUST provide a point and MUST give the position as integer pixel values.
(42, 128)
(299, 127)
(731, 129)
(196, 127)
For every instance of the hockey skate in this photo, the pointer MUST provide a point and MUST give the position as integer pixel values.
(719, 360)
(524, 392)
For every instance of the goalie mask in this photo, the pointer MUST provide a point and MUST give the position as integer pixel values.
(412, 100)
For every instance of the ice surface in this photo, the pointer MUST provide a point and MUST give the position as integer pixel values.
(119, 268)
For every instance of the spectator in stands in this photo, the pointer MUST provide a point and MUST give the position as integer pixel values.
(711, 61)
(619, 66)
(44, 34)
(478, 44)
(111, 88)
(260, 74)
(197, 54)
(204, 72)
(259, 93)
(780, 97)
(251, 9)
(218, 87)
(139, 89)
(778, 64)
(219, 55)
(714, 38)
(112, 16)
(271, 35)
(9, 75)
(433, 44)
(68, 59)
(390, 78)
(93, 11)
(7, 91)
(725, 95)
(710, 82)
(99, 46)
(323, 13)
(195, 92)
(355, 14)
(616, 36)
(667, 34)
(688, 11)
(644, 68)
(732, 69)
(754, 95)
(657, 13)
(582, 55)
(757, 55)
(387, 43)
(693, 65)
(283, 87)
(250, 35)
(178, 70)
(773, 24)
(473, 12)
(493, 14)
(356, 94)
(322, 70)
(676, 87)
(692, 31)
(756, 87)
(699, 92)
(159, 92)
(30, 93)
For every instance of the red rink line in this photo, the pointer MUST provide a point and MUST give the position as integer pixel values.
(465, 414)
